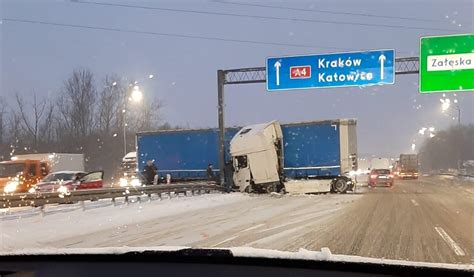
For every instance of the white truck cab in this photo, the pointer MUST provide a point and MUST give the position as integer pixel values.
(257, 164)
(258, 158)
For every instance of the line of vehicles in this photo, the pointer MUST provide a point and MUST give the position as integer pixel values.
(304, 157)
(49, 172)
(381, 173)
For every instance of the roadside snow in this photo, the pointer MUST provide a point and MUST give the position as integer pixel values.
(32, 230)
(326, 255)
(302, 254)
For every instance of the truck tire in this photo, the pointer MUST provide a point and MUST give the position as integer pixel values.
(340, 186)
(248, 189)
(270, 188)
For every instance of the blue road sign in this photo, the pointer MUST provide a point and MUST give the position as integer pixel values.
(331, 70)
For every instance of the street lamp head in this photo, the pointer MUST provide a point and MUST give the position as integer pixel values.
(445, 105)
(137, 94)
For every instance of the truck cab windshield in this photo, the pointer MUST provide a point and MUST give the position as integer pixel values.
(10, 169)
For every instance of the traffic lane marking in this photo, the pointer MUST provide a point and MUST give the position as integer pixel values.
(238, 233)
(224, 241)
(415, 203)
(451, 243)
(302, 219)
(252, 228)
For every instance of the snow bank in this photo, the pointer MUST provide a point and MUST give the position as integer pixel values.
(64, 221)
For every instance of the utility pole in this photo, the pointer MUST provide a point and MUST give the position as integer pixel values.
(124, 123)
(220, 103)
(460, 134)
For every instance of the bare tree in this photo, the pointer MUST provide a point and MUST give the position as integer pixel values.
(76, 104)
(14, 131)
(46, 126)
(448, 146)
(110, 98)
(3, 108)
(149, 118)
(32, 117)
(145, 117)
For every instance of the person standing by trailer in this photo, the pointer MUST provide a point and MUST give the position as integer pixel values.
(150, 172)
(229, 173)
(210, 172)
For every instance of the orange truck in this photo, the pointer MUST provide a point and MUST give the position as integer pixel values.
(23, 171)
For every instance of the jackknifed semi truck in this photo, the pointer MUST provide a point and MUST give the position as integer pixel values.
(264, 157)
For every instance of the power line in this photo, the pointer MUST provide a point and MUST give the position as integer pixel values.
(325, 11)
(170, 34)
(262, 17)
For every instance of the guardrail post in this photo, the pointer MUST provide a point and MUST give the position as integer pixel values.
(126, 200)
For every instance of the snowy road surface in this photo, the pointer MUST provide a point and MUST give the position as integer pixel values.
(428, 220)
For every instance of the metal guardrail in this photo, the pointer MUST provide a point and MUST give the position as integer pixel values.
(41, 199)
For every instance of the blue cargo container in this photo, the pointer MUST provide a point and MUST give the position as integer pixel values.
(311, 149)
(185, 154)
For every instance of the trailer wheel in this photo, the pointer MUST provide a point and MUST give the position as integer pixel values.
(340, 186)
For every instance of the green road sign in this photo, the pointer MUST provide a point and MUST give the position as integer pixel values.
(447, 63)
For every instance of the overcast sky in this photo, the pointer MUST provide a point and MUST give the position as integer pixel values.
(38, 57)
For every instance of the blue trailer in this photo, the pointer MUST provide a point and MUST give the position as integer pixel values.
(184, 154)
(311, 149)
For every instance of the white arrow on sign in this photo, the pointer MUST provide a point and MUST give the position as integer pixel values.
(277, 66)
(381, 60)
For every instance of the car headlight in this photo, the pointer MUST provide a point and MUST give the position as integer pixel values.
(135, 183)
(123, 182)
(32, 190)
(63, 190)
(11, 186)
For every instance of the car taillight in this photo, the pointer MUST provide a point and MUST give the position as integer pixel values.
(391, 175)
(373, 176)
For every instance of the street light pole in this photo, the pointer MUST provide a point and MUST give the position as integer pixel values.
(460, 133)
(459, 115)
(134, 95)
(446, 106)
(124, 111)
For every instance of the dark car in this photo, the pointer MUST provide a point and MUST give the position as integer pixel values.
(380, 177)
